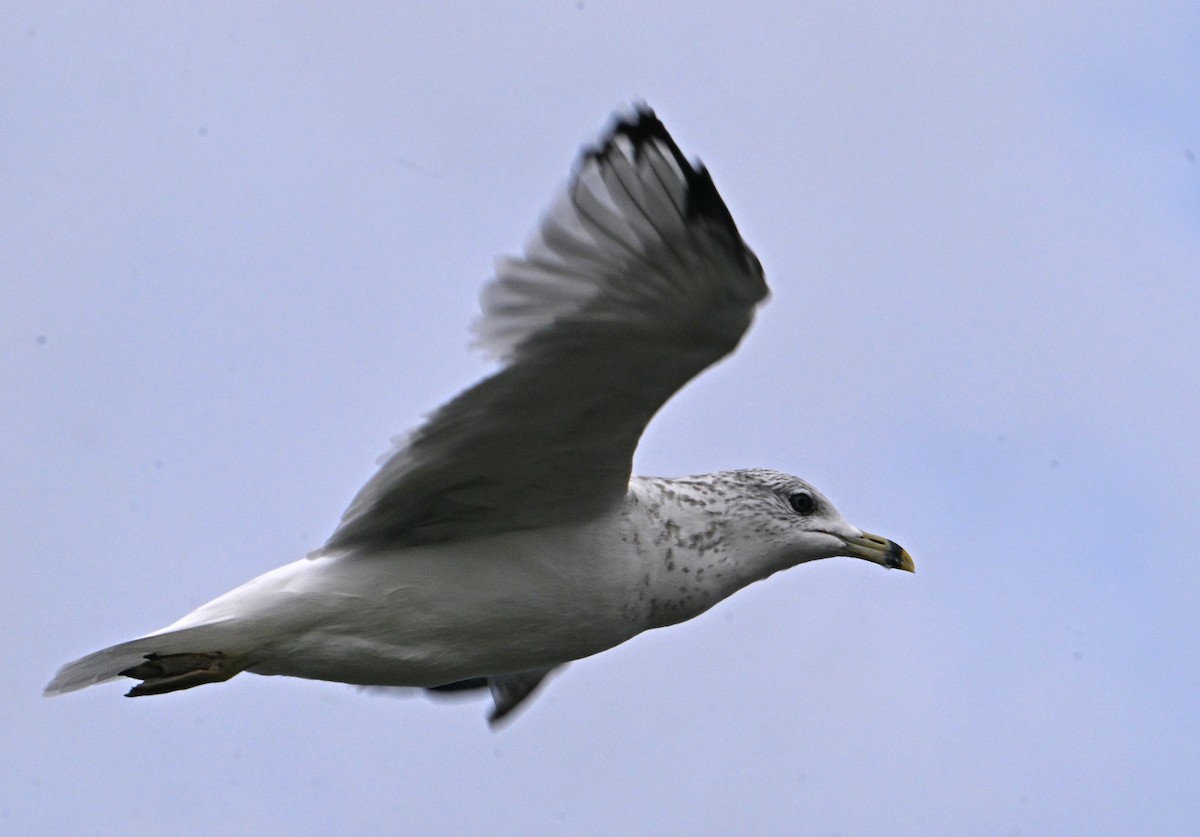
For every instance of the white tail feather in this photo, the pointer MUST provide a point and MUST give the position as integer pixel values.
(108, 663)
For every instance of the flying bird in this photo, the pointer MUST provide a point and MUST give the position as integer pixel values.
(507, 536)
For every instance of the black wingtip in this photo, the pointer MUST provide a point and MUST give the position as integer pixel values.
(643, 127)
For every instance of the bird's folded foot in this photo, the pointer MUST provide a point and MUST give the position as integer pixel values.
(162, 673)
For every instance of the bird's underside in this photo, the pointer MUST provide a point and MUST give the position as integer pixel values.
(163, 673)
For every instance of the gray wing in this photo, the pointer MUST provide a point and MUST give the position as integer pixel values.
(636, 282)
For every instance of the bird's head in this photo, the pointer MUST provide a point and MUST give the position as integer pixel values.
(794, 523)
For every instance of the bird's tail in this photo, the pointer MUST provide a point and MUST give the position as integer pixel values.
(166, 661)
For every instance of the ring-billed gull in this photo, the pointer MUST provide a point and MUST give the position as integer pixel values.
(506, 535)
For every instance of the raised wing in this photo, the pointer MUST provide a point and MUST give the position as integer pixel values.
(636, 282)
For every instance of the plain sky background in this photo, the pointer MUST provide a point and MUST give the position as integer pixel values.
(240, 248)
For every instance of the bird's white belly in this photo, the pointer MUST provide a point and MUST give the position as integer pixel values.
(434, 614)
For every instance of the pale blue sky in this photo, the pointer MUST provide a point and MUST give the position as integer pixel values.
(240, 249)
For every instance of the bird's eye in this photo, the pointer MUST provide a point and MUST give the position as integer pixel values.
(802, 502)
